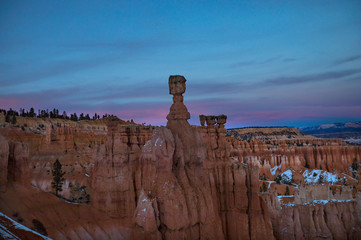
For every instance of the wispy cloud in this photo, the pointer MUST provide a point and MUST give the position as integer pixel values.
(50, 98)
(289, 59)
(57, 68)
(253, 62)
(325, 76)
(346, 60)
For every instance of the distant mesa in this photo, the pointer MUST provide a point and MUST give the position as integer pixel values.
(335, 130)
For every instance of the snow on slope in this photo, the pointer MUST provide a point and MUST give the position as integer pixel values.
(7, 227)
(314, 175)
(287, 175)
(274, 169)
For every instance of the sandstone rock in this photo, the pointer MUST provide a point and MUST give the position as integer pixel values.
(4, 156)
(202, 119)
(18, 167)
(174, 182)
(178, 110)
(211, 121)
(147, 218)
(331, 221)
(2, 118)
(221, 120)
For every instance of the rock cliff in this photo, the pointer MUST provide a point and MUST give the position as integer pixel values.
(322, 220)
(128, 181)
(296, 153)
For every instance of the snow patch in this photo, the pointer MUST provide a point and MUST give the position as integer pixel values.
(158, 142)
(289, 204)
(17, 225)
(5, 234)
(269, 183)
(316, 175)
(287, 175)
(353, 140)
(323, 202)
(312, 203)
(274, 169)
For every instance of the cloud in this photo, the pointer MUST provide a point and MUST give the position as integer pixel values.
(96, 53)
(289, 59)
(325, 76)
(253, 62)
(58, 68)
(129, 45)
(346, 60)
(48, 98)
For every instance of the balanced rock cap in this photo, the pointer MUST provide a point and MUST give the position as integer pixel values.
(177, 85)
(176, 79)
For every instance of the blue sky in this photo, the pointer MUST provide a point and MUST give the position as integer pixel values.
(295, 63)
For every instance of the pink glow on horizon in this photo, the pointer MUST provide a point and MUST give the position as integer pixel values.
(156, 115)
(14, 103)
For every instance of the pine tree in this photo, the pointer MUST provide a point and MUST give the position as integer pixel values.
(58, 178)
(354, 165)
(278, 179)
(287, 191)
(13, 120)
(32, 113)
(321, 179)
(264, 187)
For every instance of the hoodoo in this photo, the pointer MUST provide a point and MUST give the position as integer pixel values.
(195, 190)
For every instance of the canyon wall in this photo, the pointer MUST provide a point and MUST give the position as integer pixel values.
(297, 152)
(333, 220)
(128, 181)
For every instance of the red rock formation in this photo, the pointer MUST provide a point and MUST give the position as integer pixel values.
(171, 172)
(330, 221)
(198, 191)
(60, 219)
(4, 156)
(173, 182)
(235, 187)
(112, 180)
(297, 153)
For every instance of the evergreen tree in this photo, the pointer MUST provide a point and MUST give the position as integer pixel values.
(13, 120)
(287, 191)
(307, 165)
(32, 113)
(278, 179)
(264, 187)
(74, 117)
(354, 165)
(321, 179)
(7, 118)
(58, 178)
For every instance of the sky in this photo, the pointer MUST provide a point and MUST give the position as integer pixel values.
(261, 63)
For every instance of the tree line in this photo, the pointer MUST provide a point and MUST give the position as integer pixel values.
(10, 115)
